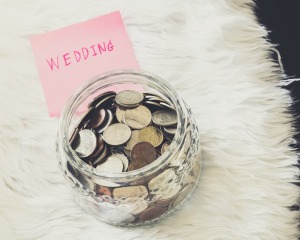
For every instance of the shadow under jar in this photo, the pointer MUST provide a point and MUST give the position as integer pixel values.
(143, 195)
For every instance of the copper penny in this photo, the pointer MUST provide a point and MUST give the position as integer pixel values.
(151, 213)
(108, 120)
(97, 118)
(142, 154)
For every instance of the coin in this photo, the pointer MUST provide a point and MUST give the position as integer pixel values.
(120, 115)
(137, 118)
(117, 134)
(123, 158)
(111, 165)
(163, 185)
(165, 147)
(106, 102)
(98, 159)
(129, 98)
(108, 120)
(142, 154)
(151, 213)
(99, 148)
(164, 117)
(130, 194)
(87, 143)
(151, 135)
(97, 99)
(134, 139)
(97, 118)
(170, 130)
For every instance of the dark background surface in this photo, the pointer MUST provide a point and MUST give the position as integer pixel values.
(282, 19)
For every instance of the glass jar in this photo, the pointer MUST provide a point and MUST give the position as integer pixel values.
(144, 195)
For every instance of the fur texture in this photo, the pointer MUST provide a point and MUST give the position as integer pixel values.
(216, 55)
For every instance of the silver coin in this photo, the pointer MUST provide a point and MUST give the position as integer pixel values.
(124, 160)
(137, 118)
(120, 114)
(87, 143)
(170, 130)
(129, 98)
(111, 165)
(117, 134)
(164, 118)
(108, 120)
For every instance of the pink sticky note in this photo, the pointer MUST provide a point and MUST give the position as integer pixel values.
(69, 56)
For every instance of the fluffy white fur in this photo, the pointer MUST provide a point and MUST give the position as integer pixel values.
(216, 55)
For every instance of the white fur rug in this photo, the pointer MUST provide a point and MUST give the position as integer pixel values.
(217, 57)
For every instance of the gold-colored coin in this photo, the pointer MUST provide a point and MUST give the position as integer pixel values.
(151, 135)
(134, 139)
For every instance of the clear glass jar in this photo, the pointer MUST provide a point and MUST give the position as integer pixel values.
(144, 195)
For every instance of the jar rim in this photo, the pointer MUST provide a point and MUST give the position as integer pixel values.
(70, 107)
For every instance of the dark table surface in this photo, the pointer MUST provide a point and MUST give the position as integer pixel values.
(282, 19)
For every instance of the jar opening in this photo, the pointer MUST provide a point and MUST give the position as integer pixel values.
(131, 79)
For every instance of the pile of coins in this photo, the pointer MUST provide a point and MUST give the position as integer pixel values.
(124, 131)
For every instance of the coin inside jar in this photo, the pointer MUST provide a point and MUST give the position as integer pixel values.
(142, 154)
(129, 98)
(134, 139)
(124, 160)
(164, 118)
(97, 118)
(152, 135)
(137, 118)
(111, 165)
(117, 134)
(87, 143)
